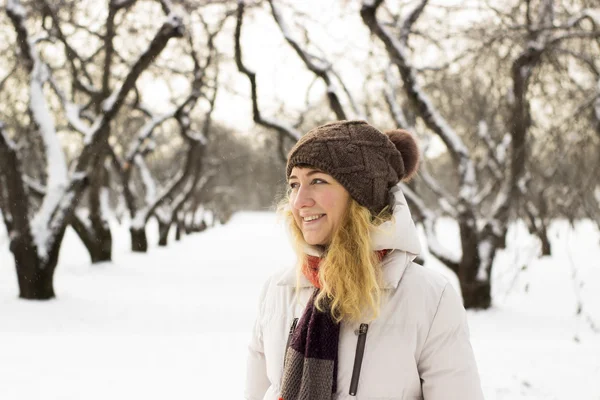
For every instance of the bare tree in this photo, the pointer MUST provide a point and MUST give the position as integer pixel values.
(479, 241)
(92, 227)
(36, 241)
(166, 205)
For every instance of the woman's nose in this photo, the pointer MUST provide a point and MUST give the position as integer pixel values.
(303, 198)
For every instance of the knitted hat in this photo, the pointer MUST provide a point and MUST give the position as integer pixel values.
(364, 160)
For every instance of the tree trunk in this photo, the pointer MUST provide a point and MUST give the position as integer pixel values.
(139, 241)
(543, 235)
(187, 225)
(476, 294)
(163, 233)
(475, 286)
(178, 231)
(197, 228)
(536, 222)
(543, 228)
(502, 239)
(35, 275)
(101, 250)
(35, 281)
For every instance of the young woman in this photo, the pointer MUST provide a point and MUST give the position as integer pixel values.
(356, 318)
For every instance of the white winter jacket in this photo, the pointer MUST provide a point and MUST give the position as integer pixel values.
(418, 348)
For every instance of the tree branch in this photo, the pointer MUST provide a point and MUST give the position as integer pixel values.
(172, 27)
(428, 219)
(322, 70)
(280, 127)
(408, 23)
(423, 105)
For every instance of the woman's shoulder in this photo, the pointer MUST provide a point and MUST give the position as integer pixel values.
(425, 278)
(277, 293)
(402, 273)
(280, 280)
(422, 288)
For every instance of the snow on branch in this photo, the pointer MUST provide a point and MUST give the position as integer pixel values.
(72, 110)
(34, 187)
(426, 109)
(281, 127)
(197, 140)
(589, 13)
(145, 133)
(148, 181)
(187, 192)
(593, 15)
(70, 54)
(56, 165)
(172, 27)
(170, 191)
(496, 153)
(429, 218)
(193, 166)
(421, 102)
(484, 193)
(394, 107)
(320, 68)
(446, 201)
(520, 118)
(410, 20)
(353, 105)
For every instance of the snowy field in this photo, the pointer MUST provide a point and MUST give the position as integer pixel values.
(174, 324)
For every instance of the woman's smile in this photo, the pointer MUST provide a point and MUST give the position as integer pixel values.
(312, 219)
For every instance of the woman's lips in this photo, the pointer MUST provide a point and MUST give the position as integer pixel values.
(314, 221)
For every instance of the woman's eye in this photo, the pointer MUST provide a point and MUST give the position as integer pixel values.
(295, 185)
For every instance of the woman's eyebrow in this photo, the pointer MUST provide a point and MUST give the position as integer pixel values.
(314, 171)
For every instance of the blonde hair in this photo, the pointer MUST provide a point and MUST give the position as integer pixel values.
(350, 271)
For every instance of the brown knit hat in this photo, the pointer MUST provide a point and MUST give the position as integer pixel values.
(364, 160)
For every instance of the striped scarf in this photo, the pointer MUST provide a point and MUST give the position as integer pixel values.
(310, 366)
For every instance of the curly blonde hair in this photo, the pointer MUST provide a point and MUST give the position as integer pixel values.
(350, 270)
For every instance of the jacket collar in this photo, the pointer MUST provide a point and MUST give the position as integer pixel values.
(398, 234)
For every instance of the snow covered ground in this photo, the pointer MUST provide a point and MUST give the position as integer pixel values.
(174, 324)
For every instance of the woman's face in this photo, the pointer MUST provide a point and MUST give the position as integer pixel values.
(318, 203)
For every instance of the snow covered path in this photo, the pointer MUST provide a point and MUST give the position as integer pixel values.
(175, 323)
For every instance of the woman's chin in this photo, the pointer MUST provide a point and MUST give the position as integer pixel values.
(313, 241)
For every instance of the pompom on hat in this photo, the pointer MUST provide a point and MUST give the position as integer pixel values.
(364, 160)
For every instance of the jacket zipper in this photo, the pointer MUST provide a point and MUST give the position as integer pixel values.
(289, 340)
(358, 357)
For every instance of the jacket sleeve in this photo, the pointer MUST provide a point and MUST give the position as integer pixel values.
(447, 365)
(257, 382)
